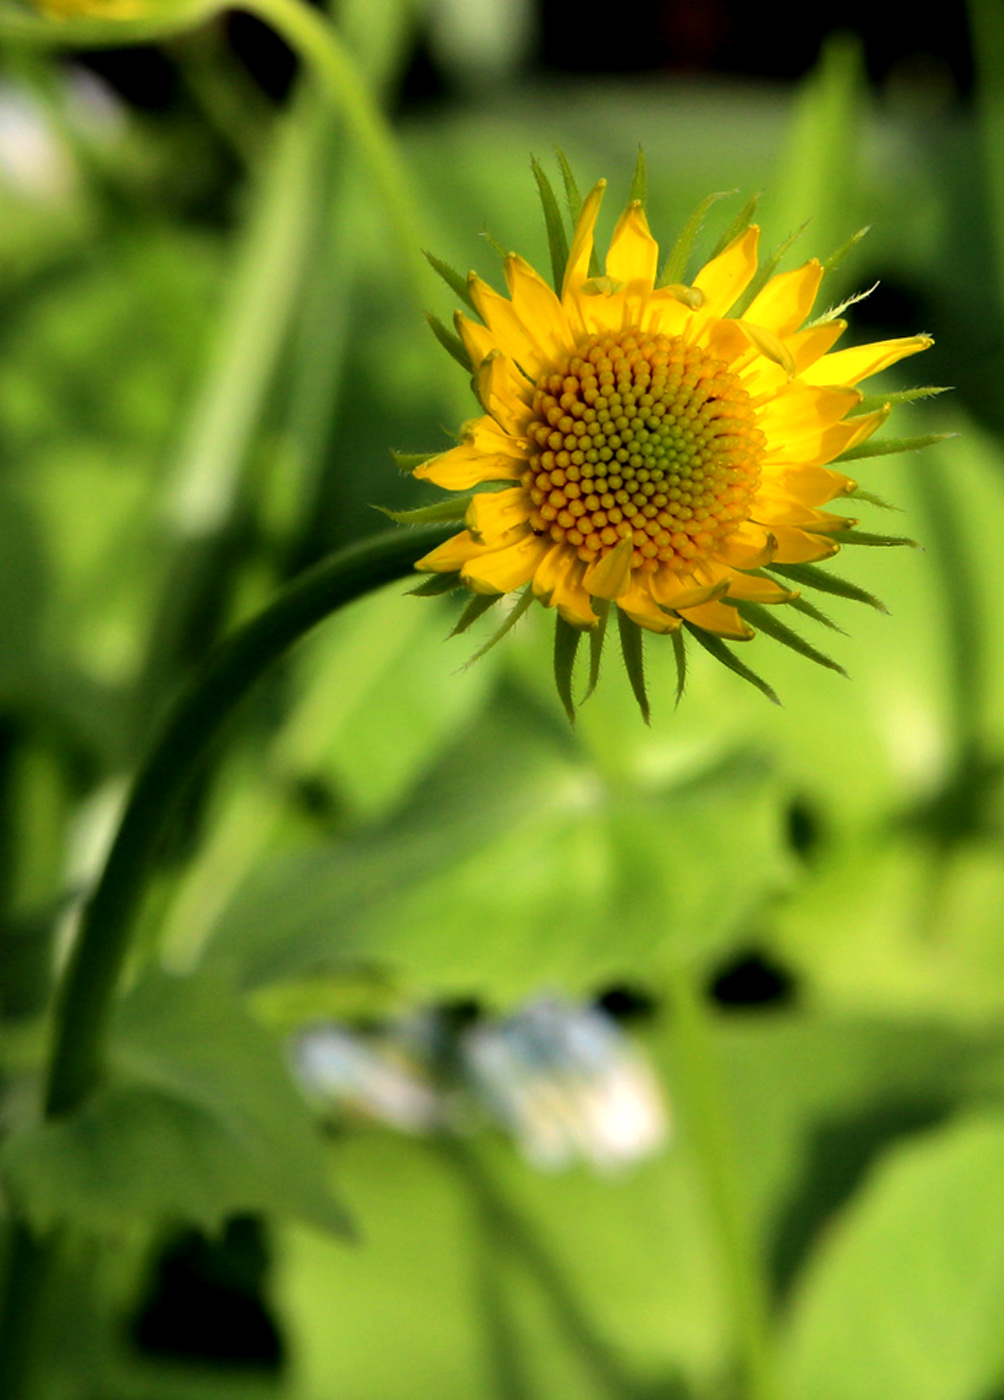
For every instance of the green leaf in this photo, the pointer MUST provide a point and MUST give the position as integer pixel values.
(766, 621)
(408, 461)
(451, 508)
(808, 609)
(436, 584)
(811, 576)
(871, 499)
(738, 226)
(680, 657)
(871, 402)
(766, 271)
(452, 278)
(572, 196)
(632, 649)
(717, 648)
(864, 537)
(674, 269)
(557, 238)
(914, 1275)
(639, 181)
(451, 343)
(838, 255)
(517, 610)
(885, 447)
(199, 1119)
(566, 644)
(477, 606)
(597, 636)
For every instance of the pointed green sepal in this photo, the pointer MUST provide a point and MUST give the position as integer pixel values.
(838, 255)
(451, 343)
(494, 244)
(871, 402)
(864, 537)
(478, 605)
(808, 609)
(680, 657)
(408, 461)
(440, 512)
(572, 197)
(514, 615)
(885, 447)
(766, 271)
(639, 181)
(738, 225)
(601, 607)
(632, 649)
(452, 278)
(811, 576)
(717, 648)
(557, 238)
(674, 269)
(765, 621)
(832, 312)
(436, 584)
(870, 499)
(566, 644)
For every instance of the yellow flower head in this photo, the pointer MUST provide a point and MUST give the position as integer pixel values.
(660, 448)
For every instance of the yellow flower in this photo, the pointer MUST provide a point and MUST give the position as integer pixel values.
(642, 447)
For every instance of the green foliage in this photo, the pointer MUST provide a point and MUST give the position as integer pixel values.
(197, 1121)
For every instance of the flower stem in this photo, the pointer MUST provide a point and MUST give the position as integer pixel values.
(706, 1117)
(88, 986)
(319, 45)
(86, 994)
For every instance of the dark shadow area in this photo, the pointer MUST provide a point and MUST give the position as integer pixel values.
(753, 979)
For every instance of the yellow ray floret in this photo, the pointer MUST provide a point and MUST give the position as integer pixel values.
(654, 448)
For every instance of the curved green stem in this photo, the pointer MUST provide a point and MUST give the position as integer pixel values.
(707, 1119)
(89, 983)
(319, 44)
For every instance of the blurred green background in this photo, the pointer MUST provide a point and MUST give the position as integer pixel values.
(208, 344)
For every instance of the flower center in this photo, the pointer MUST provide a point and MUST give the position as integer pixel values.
(637, 436)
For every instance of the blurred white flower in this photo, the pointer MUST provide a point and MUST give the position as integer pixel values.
(568, 1084)
(337, 1065)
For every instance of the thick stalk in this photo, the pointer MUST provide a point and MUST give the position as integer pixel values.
(89, 983)
(320, 46)
(706, 1117)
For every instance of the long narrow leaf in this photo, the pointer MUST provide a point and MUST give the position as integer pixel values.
(811, 576)
(632, 649)
(451, 343)
(717, 648)
(765, 621)
(680, 657)
(517, 611)
(766, 271)
(738, 225)
(601, 607)
(566, 644)
(478, 605)
(452, 278)
(674, 269)
(557, 238)
(885, 447)
(639, 181)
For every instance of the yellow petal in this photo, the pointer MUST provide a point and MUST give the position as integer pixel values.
(851, 366)
(610, 575)
(507, 331)
(726, 277)
(773, 512)
(640, 607)
(770, 345)
(662, 311)
(749, 546)
(671, 590)
(720, 619)
(486, 453)
(558, 583)
(796, 546)
(809, 345)
(753, 589)
(505, 395)
(633, 257)
(492, 513)
(451, 555)
(785, 302)
(538, 309)
(581, 251)
(813, 486)
(803, 408)
(816, 447)
(725, 340)
(502, 570)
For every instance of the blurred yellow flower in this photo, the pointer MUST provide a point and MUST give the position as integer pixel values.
(642, 447)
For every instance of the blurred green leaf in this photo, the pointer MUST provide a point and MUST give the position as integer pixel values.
(903, 1297)
(199, 1119)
